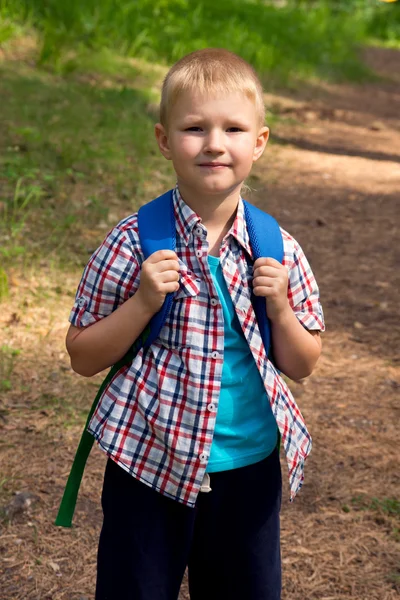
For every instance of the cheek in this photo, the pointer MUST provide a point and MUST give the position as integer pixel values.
(245, 152)
(187, 147)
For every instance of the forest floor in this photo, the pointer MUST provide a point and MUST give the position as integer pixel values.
(331, 177)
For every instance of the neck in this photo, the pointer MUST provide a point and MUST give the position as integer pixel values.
(215, 210)
(217, 213)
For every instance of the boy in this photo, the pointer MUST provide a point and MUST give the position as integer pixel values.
(191, 426)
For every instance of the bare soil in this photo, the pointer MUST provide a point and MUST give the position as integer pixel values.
(332, 179)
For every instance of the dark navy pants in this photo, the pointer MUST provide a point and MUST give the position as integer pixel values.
(229, 541)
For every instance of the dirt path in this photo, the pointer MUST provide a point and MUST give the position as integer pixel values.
(333, 181)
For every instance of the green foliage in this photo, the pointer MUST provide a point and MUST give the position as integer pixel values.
(7, 31)
(289, 41)
(4, 289)
(386, 511)
(68, 145)
(388, 506)
(384, 23)
(8, 356)
(72, 147)
(17, 208)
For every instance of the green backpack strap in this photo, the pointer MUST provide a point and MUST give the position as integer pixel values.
(68, 502)
(65, 514)
(157, 231)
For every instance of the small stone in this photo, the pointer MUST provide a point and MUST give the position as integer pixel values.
(54, 566)
(376, 126)
(21, 503)
(310, 115)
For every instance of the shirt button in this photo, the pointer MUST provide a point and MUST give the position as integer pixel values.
(203, 458)
(215, 354)
(199, 253)
(82, 301)
(214, 301)
(211, 407)
(198, 231)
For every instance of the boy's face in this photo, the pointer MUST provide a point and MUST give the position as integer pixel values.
(212, 142)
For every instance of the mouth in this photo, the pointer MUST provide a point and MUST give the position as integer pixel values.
(213, 165)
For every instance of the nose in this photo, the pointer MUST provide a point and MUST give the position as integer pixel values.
(214, 142)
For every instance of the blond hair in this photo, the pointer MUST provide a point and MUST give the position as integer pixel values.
(211, 70)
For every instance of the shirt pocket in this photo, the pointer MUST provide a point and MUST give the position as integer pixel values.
(181, 329)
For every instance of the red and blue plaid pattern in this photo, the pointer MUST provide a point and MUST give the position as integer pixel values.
(156, 418)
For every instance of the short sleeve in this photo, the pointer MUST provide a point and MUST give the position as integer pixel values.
(303, 292)
(111, 276)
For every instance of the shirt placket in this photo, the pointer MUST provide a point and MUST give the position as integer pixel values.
(214, 353)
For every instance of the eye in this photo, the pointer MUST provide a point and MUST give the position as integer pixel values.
(234, 129)
(193, 128)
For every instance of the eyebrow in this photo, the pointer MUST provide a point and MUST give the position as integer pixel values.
(235, 119)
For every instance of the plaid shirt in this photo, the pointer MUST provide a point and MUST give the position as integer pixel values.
(156, 418)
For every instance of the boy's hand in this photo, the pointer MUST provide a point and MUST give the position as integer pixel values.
(159, 276)
(270, 279)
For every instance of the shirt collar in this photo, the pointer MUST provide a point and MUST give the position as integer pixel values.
(186, 220)
(239, 229)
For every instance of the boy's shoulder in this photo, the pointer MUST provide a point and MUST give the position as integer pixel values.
(129, 223)
(122, 239)
(292, 251)
(289, 242)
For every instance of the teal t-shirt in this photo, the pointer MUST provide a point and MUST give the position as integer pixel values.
(245, 430)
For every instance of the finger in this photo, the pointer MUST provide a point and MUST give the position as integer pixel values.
(268, 272)
(162, 255)
(169, 288)
(168, 276)
(264, 281)
(167, 265)
(267, 262)
(262, 290)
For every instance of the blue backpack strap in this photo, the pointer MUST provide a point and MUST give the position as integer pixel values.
(265, 241)
(157, 231)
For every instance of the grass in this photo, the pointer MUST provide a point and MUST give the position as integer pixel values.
(62, 411)
(386, 511)
(75, 157)
(388, 506)
(290, 42)
(4, 289)
(79, 146)
(76, 136)
(8, 356)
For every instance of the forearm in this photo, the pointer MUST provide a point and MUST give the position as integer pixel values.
(102, 344)
(296, 350)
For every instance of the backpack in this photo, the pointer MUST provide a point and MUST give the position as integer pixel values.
(157, 231)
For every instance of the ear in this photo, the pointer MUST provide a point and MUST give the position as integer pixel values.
(162, 140)
(261, 142)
